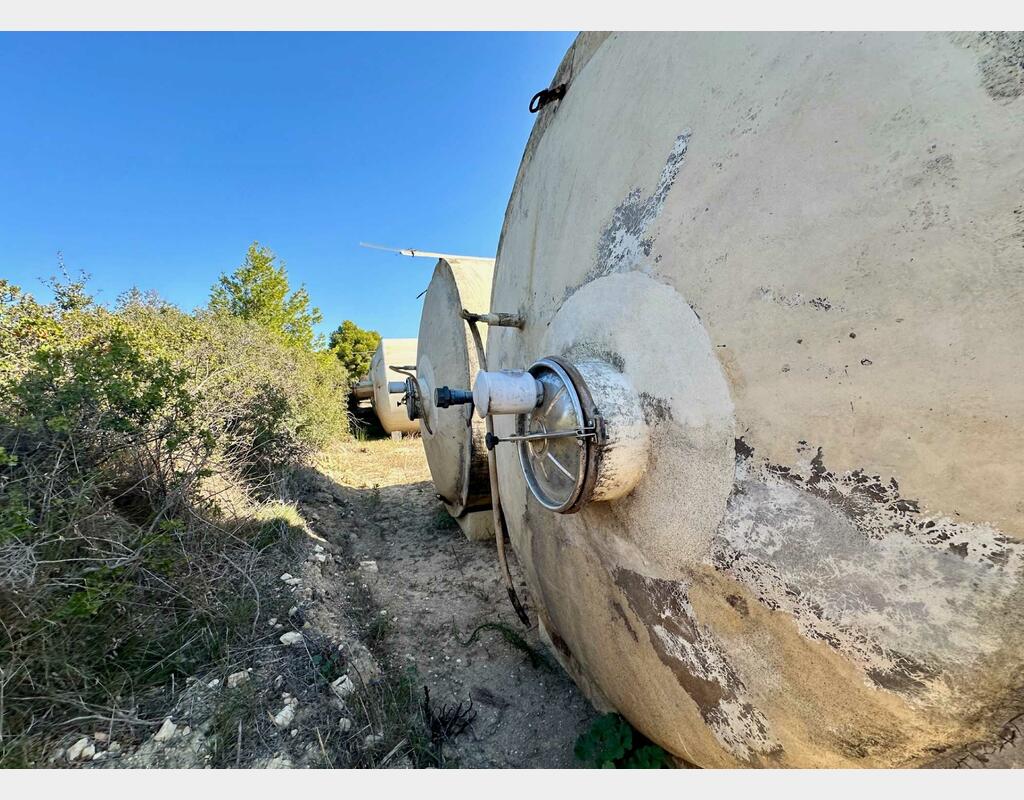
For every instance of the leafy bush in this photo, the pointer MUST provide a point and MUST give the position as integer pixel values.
(123, 433)
(612, 743)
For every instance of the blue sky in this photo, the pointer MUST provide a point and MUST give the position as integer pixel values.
(155, 159)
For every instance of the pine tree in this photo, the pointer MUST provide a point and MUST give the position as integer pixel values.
(258, 291)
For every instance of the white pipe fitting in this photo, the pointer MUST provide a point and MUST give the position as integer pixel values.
(506, 392)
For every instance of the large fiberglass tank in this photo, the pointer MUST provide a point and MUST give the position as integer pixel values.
(773, 290)
(447, 356)
(389, 385)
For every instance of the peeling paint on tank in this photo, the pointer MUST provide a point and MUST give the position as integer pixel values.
(904, 595)
(689, 649)
(625, 242)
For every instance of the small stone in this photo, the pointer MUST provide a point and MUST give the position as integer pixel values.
(75, 751)
(279, 681)
(114, 748)
(101, 736)
(187, 730)
(285, 716)
(368, 566)
(166, 731)
(317, 548)
(345, 724)
(295, 731)
(293, 611)
(213, 684)
(320, 557)
(290, 638)
(236, 679)
(89, 752)
(272, 621)
(343, 687)
(372, 740)
(278, 627)
(286, 577)
(294, 581)
(102, 754)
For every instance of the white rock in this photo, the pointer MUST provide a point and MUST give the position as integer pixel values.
(286, 577)
(272, 621)
(236, 679)
(294, 581)
(317, 548)
(285, 716)
(186, 731)
(166, 731)
(372, 740)
(75, 751)
(295, 731)
(343, 687)
(114, 748)
(320, 557)
(293, 611)
(290, 638)
(89, 752)
(368, 566)
(100, 736)
(279, 681)
(99, 756)
(345, 724)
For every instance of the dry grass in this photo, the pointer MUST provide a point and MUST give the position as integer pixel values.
(375, 463)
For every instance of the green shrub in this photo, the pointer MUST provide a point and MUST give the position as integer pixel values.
(611, 743)
(119, 428)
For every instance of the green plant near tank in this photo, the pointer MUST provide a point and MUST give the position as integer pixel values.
(611, 743)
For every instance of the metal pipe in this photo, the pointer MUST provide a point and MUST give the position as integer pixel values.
(363, 390)
(495, 318)
(500, 530)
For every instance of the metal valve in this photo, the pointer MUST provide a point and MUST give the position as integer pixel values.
(445, 397)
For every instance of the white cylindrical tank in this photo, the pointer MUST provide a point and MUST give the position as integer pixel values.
(392, 353)
(453, 438)
(804, 256)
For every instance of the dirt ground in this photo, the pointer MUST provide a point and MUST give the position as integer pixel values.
(381, 588)
(436, 587)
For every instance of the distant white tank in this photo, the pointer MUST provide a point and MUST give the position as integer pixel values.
(773, 289)
(447, 356)
(389, 386)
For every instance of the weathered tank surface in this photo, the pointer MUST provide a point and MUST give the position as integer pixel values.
(805, 254)
(447, 356)
(386, 403)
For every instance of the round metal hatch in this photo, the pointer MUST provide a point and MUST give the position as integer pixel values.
(555, 468)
